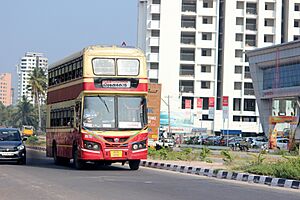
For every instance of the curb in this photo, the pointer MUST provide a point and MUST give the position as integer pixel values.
(219, 174)
(222, 174)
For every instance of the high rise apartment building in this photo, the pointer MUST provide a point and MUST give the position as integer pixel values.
(5, 89)
(196, 49)
(27, 63)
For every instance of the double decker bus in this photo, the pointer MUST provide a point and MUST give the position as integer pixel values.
(96, 107)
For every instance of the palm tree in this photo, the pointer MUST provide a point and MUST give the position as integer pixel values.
(24, 113)
(38, 86)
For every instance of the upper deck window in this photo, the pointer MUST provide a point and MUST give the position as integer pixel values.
(104, 66)
(128, 67)
(108, 66)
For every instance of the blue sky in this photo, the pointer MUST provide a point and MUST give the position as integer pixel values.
(58, 28)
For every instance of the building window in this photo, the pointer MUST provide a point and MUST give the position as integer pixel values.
(187, 54)
(155, 1)
(187, 70)
(205, 84)
(238, 53)
(296, 23)
(237, 104)
(269, 38)
(236, 118)
(251, 24)
(251, 8)
(238, 69)
(185, 100)
(239, 37)
(269, 6)
(205, 52)
(251, 40)
(154, 49)
(206, 20)
(297, 7)
(186, 86)
(207, 3)
(248, 89)
(188, 6)
(152, 80)
(205, 118)
(249, 118)
(205, 103)
(155, 16)
(239, 21)
(237, 85)
(296, 37)
(269, 22)
(188, 38)
(153, 65)
(239, 5)
(247, 72)
(249, 104)
(206, 68)
(154, 33)
(206, 36)
(188, 22)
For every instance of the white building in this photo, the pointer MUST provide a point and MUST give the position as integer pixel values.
(196, 48)
(27, 63)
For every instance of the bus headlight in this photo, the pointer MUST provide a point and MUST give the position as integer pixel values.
(135, 146)
(139, 145)
(91, 145)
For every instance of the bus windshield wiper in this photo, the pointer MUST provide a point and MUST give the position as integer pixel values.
(103, 103)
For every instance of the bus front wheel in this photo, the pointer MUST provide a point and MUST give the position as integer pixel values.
(134, 164)
(77, 163)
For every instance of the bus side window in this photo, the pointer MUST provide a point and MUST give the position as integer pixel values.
(78, 113)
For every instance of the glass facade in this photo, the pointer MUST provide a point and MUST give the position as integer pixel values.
(281, 77)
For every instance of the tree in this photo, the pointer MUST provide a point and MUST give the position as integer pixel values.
(24, 114)
(38, 86)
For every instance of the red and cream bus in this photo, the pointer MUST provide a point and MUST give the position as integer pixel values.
(96, 107)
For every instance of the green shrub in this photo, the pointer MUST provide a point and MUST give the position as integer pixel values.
(227, 156)
(204, 153)
(32, 140)
(289, 168)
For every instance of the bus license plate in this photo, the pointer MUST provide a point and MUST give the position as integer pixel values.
(115, 154)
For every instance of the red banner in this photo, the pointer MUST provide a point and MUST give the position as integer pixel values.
(225, 101)
(188, 103)
(211, 102)
(199, 103)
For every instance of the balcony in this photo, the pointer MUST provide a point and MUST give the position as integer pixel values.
(154, 41)
(251, 11)
(250, 43)
(153, 24)
(247, 75)
(189, 7)
(188, 24)
(153, 57)
(155, 9)
(153, 74)
(251, 27)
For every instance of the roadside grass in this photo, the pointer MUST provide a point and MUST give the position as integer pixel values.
(279, 164)
(35, 141)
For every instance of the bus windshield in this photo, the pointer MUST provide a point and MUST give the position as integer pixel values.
(103, 112)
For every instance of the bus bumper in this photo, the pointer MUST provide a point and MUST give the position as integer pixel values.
(113, 154)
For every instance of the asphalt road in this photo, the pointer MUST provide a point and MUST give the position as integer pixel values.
(41, 179)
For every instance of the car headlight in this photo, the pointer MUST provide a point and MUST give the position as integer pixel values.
(91, 145)
(21, 147)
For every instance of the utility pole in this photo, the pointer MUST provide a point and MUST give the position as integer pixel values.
(169, 118)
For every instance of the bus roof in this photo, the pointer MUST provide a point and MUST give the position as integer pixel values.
(100, 49)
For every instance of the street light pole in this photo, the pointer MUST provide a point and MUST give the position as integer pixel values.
(169, 118)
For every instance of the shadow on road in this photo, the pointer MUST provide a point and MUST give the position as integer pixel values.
(39, 159)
